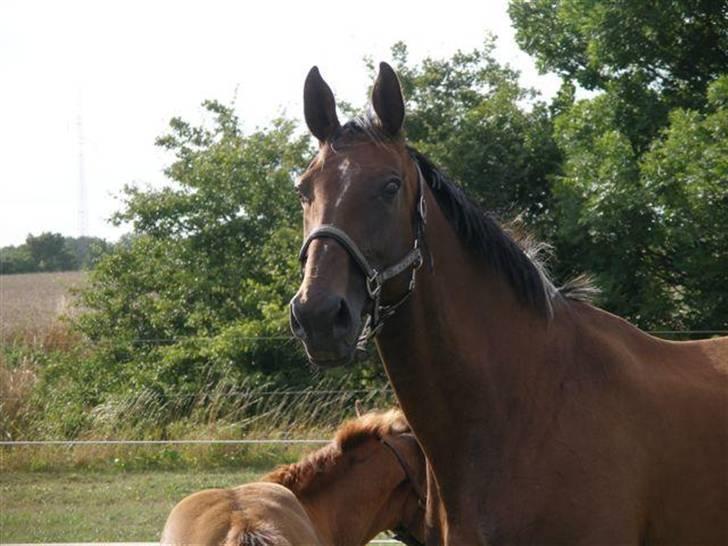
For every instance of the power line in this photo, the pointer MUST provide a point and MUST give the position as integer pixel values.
(82, 193)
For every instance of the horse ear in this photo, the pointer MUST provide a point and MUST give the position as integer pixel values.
(387, 100)
(319, 107)
(357, 408)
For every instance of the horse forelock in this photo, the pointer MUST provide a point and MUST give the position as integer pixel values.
(372, 425)
(364, 127)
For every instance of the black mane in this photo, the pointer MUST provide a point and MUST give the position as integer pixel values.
(518, 259)
(480, 233)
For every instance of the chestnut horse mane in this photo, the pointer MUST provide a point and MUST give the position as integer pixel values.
(319, 467)
(511, 252)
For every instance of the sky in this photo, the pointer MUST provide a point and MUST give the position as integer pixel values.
(87, 86)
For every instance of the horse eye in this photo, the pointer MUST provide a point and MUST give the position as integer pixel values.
(392, 186)
(302, 197)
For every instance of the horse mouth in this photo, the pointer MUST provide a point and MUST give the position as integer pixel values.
(343, 355)
(332, 362)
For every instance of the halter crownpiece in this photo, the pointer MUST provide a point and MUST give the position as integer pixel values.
(375, 279)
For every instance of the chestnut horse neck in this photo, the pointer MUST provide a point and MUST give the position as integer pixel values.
(463, 330)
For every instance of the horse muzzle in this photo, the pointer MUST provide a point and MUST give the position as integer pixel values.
(327, 327)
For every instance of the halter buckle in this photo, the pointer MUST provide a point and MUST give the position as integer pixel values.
(374, 285)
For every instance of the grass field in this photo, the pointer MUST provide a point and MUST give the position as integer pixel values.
(93, 506)
(44, 507)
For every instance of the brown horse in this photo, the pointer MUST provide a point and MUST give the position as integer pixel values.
(544, 420)
(371, 478)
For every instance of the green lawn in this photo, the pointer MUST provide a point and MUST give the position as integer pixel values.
(97, 506)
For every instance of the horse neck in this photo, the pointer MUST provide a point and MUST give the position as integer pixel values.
(463, 343)
(345, 516)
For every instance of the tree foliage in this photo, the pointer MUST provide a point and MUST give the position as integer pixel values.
(49, 252)
(470, 115)
(651, 56)
(640, 201)
(677, 47)
(211, 263)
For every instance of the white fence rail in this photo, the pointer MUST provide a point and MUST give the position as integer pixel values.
(249, 441)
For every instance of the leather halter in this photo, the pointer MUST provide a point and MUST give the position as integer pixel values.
(403, 533)
(375, 279)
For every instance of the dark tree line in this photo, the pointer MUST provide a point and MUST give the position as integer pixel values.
(52, 252)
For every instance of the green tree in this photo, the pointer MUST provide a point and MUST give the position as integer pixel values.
(676, 47)
(686, 177)
(50, 253)
(87, 250)
(471, 116)
(651, 227)
(638, 156)
(652, 56)
(16, 259)
(210, 265)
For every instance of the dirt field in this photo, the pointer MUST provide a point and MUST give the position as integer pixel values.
(33, 302)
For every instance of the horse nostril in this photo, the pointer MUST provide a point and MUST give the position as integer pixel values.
(342, 319)
(326, 319)
(296, 326)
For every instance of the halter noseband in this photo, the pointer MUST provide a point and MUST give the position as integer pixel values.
(375, 279)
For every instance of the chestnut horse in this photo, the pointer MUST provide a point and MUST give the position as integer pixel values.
(544, 420)
(371, 478)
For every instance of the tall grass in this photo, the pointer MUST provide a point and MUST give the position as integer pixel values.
(36, 343)
(225, 412)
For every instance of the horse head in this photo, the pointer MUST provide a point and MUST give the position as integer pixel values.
(363, 215)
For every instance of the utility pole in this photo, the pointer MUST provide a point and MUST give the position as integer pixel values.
(82, 197)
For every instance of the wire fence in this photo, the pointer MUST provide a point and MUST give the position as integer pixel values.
(178, 339)
(285, 392)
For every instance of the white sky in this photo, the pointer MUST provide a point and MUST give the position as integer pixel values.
(129, 66)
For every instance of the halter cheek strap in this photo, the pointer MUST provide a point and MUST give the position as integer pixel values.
(375, 279)
(404, 532)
